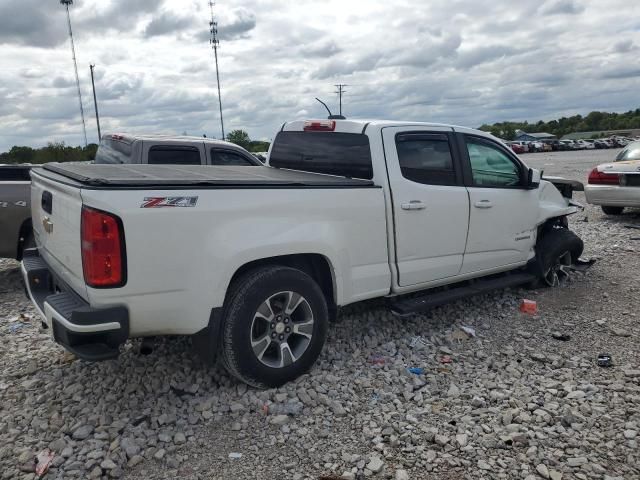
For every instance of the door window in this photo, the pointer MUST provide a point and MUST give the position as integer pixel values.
(225, 157)
(426, 158)
(491, 167)
(174, 155)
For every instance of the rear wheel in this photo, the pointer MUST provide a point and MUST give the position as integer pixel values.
(274, 326)
(612, 210)
(556, 251)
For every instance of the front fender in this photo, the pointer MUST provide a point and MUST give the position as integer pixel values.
(552, 203)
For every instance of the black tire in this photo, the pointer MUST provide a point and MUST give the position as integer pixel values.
(613, 210)
(246, 296)
(552, 246)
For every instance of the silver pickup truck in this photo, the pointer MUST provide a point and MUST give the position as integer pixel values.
(16, 232)
(118, 148)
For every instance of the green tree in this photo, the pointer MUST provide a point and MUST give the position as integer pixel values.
(239, 137)
(258, 146)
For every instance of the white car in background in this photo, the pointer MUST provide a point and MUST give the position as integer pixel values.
(585, 145)
(616, 185)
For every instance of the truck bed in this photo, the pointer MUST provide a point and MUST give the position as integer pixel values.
(149, 176)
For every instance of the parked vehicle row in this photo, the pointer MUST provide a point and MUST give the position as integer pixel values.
(254, 261)
(548, 145)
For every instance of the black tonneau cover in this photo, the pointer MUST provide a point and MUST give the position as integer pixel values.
(132, 176)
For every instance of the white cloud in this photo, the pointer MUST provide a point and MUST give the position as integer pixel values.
(464, 61)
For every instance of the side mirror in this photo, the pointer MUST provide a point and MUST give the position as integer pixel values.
(533, 178)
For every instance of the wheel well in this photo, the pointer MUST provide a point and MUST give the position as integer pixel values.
(315, 265)
(25, 229)
(550, 224)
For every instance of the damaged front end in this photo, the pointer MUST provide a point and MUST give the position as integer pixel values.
(556, 199)
(558, 249)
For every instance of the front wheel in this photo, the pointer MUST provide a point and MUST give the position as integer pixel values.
(612, 210)
(556, 251)
(274, 326)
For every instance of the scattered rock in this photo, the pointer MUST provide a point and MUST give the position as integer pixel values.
(402, 475)
(542, 470)
(279, 419)
(375, 464)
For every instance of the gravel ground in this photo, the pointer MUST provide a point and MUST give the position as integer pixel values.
(511, 402)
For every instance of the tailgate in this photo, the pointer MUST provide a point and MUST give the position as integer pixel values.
(55, 210)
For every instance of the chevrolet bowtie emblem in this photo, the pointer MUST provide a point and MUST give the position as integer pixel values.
(47, 224)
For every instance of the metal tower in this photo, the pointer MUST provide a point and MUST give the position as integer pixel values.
(66, 3)
(215, 43)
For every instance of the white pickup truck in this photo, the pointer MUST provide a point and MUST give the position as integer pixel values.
(254, 262)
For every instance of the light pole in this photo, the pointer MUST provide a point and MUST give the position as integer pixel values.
(66, 3)
(214, 44)
(95, 102)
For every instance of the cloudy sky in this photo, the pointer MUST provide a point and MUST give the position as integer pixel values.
(456, 61)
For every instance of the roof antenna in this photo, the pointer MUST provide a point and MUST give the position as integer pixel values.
(331, 116)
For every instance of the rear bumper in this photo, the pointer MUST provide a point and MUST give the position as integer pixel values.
(612, 195)
(90, 333)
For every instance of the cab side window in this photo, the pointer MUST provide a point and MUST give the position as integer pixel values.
(490, 166)
(426, 159)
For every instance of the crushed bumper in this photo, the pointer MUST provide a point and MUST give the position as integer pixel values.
(89, 333)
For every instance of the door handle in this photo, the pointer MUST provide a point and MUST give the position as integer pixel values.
(413, 205)
(483, 204)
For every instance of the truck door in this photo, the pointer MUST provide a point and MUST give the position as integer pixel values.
(504, 212)
(430, 203)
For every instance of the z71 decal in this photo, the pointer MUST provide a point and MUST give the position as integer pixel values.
(160, 202)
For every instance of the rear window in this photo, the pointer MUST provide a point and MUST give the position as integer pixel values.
(342, 154)
(174, 155)
(113, 151)
(15, 174)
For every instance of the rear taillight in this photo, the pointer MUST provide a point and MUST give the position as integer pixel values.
(103, 254)
(600, 178)
(319, 126)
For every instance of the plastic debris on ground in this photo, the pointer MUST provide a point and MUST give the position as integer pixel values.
(468, 330)
(530, 307)
(417, 341)
(445, 359)
(416, 370)
(282, 409)
(377, 360)
(16, 327)
(235, 455)
(563, 337)
(605, 360)
(43, 461)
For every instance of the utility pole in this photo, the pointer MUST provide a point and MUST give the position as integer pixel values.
(66, 3)
(95, 102)
(340, 91)
(215, 43)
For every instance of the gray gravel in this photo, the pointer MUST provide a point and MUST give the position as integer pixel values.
(513, 402)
